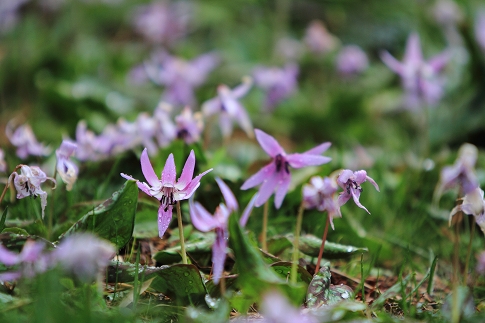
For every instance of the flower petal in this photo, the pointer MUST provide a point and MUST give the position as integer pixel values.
(373, 182)
(269, 144)
(169, 173)
(266, 189)
(219, 254)
(164, 218)
(413, 54)
(302, 160)
(356, 195)
(247, 211)
(193, 185)
(282, 189)
(320, 149)
(201, 218)
(229, 197)
(147, 169)
(393, 64)
(343, 198)
(256, 179)
(8, 257)
(360, 176)
(187, 172)
(343, 177)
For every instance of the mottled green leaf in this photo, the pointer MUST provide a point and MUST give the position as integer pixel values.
(310, 245)
(172, 255)
(16, 230)
(322, 292)
(283, 268)
(114, 219)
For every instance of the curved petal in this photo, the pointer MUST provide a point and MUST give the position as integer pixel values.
(282, 189)
(164, 217)
(247, 211)
(360, 176)
(169, 173)
(219, 254)
(373, 182)
(243, 88)
(244, 121)
(320, 149)
(229, 197)
(211, 106)
(343, 198)
(147, 169)
(256, 179)
(225, 123)
(8, 257)
(201, 218)
(187, 172)
(356, 195)
(268, 143)
(393, 64)
(413, 52)
(193, 185)
(302, 160)
(266, 189)
(343, 177)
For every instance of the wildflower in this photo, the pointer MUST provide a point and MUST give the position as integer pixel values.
(83, 255)
(29, 262)
(352, 60)
(227, 105)
(166, 189)
(166, 130)
(318, 39)
(420, 78)
(87, 143)
(473, 204)
(9, 13)
(3, 163)
(275, 177)
(481, 263)
(180, 77)
(279, 83)
(65, 167)
(189, 125)
(24, 139)
(204, 221)
(350, 182)
(462, 173)
(319, 194)
(28, 183)
(276, 308)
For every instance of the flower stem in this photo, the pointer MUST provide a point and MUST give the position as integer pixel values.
(469, 251)
(324, 238)
(296, 242)
(181, 234)
(264, 245)
(455, 307)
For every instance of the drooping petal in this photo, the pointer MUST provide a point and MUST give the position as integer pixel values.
(31, 251)
(164, 217)
(393, 64)
(243, 88)
(43, 201)
(147, 169)
(187, 172)
(201, 218)
(169, 173)
(318, 150)
(247, 211)
(343, 177)
(266, 189)
(219, 254)
(244, 121)
(190, 189)
(229, 197)
(373, 182)
(343, 198)
(282, 189)
(256, 179)
(303, 160)
(8, 257)
(356, 195)
(225, 123)
(211, 106)
(269, 143)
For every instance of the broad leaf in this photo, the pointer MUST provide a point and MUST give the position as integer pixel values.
(322, 292)
(310, 245)
(114, 219)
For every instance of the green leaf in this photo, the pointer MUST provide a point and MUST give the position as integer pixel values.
(278, 244)
(182, 283)
(4, 217)
(172, 255)
(114, 219)
(310, 245)
(283, 268)
(322, 292)
(146, 225)
(255, 277)
(16, 230)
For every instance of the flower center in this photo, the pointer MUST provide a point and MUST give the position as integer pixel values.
(280, 163)
(167, 197)
(354, 185)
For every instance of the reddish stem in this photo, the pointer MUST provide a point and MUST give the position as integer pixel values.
(320, 254)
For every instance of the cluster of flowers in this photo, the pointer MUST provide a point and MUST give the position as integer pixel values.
(81, 256)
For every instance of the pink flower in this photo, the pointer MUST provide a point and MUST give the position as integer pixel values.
(462, 173)
(28, 183)
(189, 125)
(30, 260)
(24, 139)
(204, 221)
(166, 189)
(319, 194)
(65, 167)
(420, 78)
(473, 204)
(352, 60)
(276, 176)
(350, 182)
(318, 39)
(227, 105)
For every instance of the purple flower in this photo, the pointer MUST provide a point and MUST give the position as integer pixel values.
(481, 263)
(473, 204)
(166, 129)
(350, 182)
(226, 104)
(279, 83)
(87, 143)
(24, 139)
(28, 183)
(3, 163)
(180, 77)
(351, 60)
(189, 125)
(30, 261)
(83, 255)
(9, 13)
(318, 39)
(204, 221)
(166, 189)
(420, 78)
(462, 173)
(319, 194)
(162, 22)
(275, 177)
(276, 308)
(65, 167)
(480, 29)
